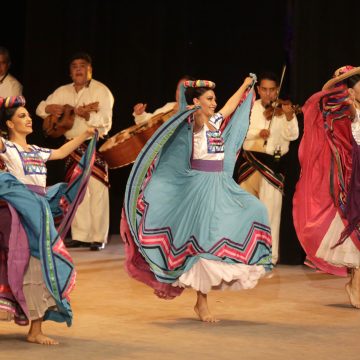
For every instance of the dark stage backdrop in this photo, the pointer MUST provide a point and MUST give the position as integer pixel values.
(140, 51)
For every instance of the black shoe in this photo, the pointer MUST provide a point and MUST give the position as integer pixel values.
(96, 246)
(76, 244)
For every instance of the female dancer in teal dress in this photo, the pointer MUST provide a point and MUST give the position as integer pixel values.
(185, 222)
(36, 271)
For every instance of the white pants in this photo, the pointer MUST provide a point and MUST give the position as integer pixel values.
(91, 221)
(271, 197)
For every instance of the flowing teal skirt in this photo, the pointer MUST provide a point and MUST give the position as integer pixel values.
(177, 215)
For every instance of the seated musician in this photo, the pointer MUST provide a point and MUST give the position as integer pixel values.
(88, 102)
(140, 114)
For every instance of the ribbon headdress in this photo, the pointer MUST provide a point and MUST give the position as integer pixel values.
(192, 83)
(11, 102)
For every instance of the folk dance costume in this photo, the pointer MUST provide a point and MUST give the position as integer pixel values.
(91, 222)
(326, 207)
(36, 271)
(185, 221)
(260, 171)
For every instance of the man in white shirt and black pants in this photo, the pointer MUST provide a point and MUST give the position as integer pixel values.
(267, 140)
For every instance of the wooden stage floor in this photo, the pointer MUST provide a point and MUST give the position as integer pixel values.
(296, 314)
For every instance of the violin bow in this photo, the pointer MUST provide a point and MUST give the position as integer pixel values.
(277, 98)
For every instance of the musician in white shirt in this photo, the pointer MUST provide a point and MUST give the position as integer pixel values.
(267, 140)
(93, 103)
(9, 86)
(140, 114)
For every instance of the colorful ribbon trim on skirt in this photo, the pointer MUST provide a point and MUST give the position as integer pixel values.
(28, 228)
(100, 168)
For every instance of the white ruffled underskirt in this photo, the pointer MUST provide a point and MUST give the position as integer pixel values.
(346, 254)
(37, 296)
(208, 275)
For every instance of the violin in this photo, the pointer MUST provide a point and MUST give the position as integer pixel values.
(275, 108)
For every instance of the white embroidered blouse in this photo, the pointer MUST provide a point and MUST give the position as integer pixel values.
(208, 144)
(27, 166)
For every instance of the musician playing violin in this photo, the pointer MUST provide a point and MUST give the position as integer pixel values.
(273, 125)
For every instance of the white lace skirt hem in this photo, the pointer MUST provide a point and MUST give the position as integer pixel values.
(208, 275)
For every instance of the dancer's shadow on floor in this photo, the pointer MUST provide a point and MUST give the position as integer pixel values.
(14, 346)
(341, 306)
(196, 323)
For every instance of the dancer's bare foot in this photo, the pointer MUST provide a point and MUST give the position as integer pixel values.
(353, 288)
(204, 314)
(41, 339)
(202, 310)
(36, 336)
(354, 296)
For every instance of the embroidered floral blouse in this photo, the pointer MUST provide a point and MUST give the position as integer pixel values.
(27, 166)
(208, 144)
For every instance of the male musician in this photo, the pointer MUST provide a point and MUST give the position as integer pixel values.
(140, 114)
(267, 140)
(9, 86)
(92, 102)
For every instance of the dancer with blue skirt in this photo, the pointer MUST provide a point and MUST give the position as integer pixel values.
(36, 271)
(185, 221)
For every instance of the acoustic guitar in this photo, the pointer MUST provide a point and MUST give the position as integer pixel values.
(123, 148)
(55, 127)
